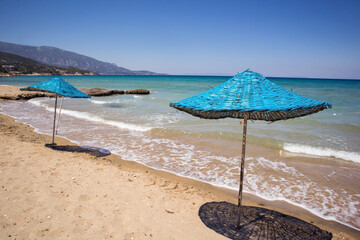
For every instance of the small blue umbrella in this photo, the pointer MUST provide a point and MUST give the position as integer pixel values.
(59, 87)
(248, 95)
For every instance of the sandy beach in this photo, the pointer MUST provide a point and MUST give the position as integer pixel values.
(48, 194)
(190, 120)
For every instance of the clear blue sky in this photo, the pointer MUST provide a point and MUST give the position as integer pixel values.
(293, 38)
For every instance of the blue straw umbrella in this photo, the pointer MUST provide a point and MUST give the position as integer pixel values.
(59, 87)
(248, 95)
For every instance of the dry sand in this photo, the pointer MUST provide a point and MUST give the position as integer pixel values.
(48, 194)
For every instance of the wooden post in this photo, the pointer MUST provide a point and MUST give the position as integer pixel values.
(53, 138)
(242, 168)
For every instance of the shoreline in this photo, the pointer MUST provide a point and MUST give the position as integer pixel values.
(206, 191)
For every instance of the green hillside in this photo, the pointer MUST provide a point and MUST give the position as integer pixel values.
(62, 58)
(17, 65)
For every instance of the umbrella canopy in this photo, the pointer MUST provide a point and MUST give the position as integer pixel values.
(248, 95)
(59, 87)
(249, 92)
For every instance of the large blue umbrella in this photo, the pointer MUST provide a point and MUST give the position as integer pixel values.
(59, 87)
(248, 95)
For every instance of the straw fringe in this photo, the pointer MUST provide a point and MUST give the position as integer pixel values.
(266, 116)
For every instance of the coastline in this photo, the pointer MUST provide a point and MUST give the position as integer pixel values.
(179, 198)
(5, 75)
(8, 92)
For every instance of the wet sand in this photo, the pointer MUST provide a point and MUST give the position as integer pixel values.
(56, 195)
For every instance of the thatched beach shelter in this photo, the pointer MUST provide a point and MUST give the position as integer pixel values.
(248, 95)
(59, 87)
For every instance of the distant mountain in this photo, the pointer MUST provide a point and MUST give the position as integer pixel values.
(61, 58)
(11, 64)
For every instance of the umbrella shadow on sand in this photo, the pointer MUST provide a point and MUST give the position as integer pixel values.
(256, 223)
(94, 151)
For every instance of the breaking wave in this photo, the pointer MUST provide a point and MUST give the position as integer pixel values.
(322, 152)
(94, 118)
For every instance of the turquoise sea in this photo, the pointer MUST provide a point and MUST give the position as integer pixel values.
(312, 162)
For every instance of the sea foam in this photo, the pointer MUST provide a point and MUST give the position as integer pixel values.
(94, 118)
(322, 152)
(100, 102)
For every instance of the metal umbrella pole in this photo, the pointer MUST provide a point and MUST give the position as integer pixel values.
(53, 137)
(57, 125)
